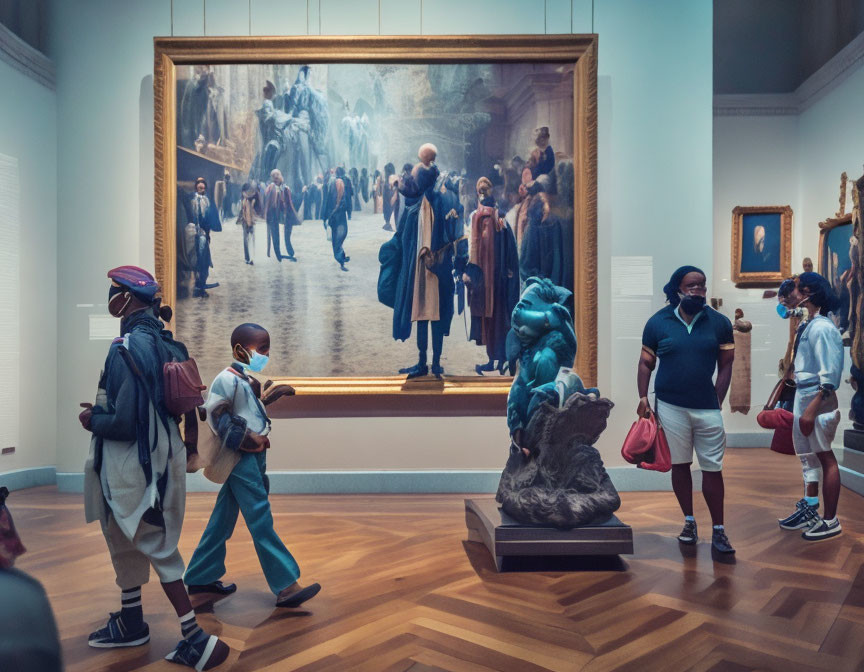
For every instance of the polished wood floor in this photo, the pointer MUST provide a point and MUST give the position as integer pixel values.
(403, 591)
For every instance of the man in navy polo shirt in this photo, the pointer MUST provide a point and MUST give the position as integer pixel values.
(690, 340)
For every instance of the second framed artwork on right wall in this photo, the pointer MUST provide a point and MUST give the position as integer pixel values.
(761, 245)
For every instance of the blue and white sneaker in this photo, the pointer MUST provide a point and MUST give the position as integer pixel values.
(822, 530)
(115, 634)
(198, 651)
(805, 515)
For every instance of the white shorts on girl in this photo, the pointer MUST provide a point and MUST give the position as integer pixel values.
(694, 429)
(820, 439)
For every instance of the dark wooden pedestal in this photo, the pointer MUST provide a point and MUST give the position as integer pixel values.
(854, 439)
(509, 541)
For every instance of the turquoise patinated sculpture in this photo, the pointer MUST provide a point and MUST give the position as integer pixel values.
(554, 474)
(542, 340)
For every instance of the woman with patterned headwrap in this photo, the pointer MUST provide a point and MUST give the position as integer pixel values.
(135, 476)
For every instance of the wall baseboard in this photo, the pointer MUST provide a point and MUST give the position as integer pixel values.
(33, 477)
(625, 479)
(749, 439)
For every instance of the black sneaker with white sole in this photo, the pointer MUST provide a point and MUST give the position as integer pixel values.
(720, 542)
(115, 634)
(822, 530)
(688, 534)
(804, 516)
(199, 651)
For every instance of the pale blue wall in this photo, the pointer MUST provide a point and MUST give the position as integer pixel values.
(655, 176)
(755, 163)
(28, 131)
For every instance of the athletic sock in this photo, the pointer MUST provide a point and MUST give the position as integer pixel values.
(719, 528)
(812, 501)
(131, 611)
(188, 625)
(690, 519)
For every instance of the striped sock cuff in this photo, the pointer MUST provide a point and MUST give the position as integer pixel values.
(188, 625)
(130, 598)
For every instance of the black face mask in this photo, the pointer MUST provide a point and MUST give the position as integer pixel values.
(692, 305)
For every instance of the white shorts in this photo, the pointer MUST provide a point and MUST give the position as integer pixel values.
(689, 429)
(824, 429)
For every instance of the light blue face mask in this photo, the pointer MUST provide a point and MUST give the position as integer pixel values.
(257, 361)
(786, 313)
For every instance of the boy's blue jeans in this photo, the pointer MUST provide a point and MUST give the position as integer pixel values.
(245, 490)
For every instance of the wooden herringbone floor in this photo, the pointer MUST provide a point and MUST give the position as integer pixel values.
(402, 591)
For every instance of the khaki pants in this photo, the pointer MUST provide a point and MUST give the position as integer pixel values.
(132, 558)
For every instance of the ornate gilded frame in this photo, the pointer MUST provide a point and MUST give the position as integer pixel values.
(742, 279)
(824, 229)
(393, 395)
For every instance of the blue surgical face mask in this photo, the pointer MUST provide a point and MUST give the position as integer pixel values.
(786, 313)
(257, 361)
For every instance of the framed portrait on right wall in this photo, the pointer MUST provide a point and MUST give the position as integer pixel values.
(761, 245)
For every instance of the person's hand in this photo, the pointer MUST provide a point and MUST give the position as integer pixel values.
(466, 278)
(273, 392)
(193, 463)
(85, 416)
(254, 442)
(644, 408)
(807, 423)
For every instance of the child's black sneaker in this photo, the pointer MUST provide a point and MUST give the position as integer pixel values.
(199, 651)
(688, 534)
(822, 530)
(115, 634)
(804, 516)
(720, 542)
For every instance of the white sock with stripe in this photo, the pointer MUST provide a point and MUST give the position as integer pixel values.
(188, 625)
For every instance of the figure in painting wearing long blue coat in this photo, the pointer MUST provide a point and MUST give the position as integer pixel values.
(417, 262)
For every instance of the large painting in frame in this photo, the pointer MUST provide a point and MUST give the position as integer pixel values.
(485, 102)
(761, 245)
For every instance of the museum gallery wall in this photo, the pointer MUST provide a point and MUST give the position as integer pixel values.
(654, 96)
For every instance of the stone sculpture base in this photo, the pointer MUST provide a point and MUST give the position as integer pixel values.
(854, 439)
(509, 541)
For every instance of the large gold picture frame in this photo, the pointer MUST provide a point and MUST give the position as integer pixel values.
(393, 395)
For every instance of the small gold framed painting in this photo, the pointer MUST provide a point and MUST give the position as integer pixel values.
(761, 245)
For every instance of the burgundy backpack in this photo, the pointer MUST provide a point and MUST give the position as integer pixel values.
(182, 387)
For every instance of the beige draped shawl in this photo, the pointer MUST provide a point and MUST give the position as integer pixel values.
(425, 305)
